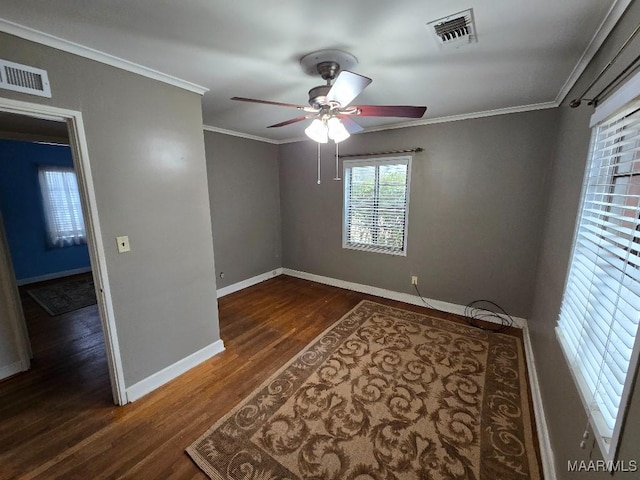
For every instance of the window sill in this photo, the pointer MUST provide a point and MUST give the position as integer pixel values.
(372, 249)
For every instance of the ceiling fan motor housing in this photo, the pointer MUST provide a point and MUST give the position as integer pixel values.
(318, 96)
(330, 103)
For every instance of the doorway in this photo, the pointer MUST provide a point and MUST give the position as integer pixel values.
(72, 120)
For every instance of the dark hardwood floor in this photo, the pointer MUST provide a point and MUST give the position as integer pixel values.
(58, 419)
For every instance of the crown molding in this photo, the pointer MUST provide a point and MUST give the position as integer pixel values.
(464, 116)
(233, 133)
(58, 43)
(295, 140)
(604, 30)
(418, 123)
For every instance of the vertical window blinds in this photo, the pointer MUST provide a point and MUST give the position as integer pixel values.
(61, 203)
(599, 315)
(376, 204)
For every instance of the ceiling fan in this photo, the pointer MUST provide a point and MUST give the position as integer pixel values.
(329, 104)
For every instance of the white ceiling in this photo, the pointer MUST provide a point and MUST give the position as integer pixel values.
(525, 54)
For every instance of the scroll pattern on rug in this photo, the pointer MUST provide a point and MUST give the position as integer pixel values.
(383, 394)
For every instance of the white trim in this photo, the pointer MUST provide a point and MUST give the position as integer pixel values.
(390, 294)
(413, 123)
(97, 253)
(51, 276)
(598, 425)
(622, 96)
(58, 43)
(152, 382)
(80, 152)
(233, 133)
(14, 313)
(299, 139)
(229, 289)
(610, 20)
(544, 440)
(12, 369)
(465, 116)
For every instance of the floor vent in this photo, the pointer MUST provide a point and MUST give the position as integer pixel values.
(454, 30)
(21, 78)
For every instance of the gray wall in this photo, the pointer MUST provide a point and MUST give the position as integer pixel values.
(478, 194)
(565, 415)
(147, 158)
(245, 206)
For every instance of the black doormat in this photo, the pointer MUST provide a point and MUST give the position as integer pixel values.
(65, 296)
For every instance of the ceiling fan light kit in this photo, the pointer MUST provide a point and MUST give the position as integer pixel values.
(329, 104)
(317, 131)
(337, 131)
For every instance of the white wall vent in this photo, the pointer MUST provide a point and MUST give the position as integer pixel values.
(454, 30)
(21, 78)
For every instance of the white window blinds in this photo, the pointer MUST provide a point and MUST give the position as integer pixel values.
(376, 200)
(61, 203)
(599, 316)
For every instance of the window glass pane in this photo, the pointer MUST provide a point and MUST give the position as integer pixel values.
(61, 205)
(391, 205)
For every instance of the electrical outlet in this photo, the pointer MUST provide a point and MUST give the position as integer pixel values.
(123, 244)
(414, 279)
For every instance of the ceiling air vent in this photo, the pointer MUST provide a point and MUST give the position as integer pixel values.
(454, 30)
(22, 78)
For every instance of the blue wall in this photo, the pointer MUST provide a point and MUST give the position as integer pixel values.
(21, 207)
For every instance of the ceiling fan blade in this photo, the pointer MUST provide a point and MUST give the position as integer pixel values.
(289, 122)
(346, 87)
(351, 126)
(390, 111)
(266, 102)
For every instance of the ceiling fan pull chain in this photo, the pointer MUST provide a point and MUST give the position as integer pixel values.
(337, 177)
(318, 164)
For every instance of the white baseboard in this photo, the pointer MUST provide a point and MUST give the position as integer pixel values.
(546, 452)
(51, 276)
(149, 384)
(12, 369)
(221, 292)
(390, 294)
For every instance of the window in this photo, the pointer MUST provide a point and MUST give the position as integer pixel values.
(600, 310)
(61, 203)
(376, 203)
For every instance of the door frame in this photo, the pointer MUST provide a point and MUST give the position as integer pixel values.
(80, 154)
(9, 290)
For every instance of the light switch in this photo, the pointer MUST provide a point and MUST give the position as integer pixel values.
(123, 244)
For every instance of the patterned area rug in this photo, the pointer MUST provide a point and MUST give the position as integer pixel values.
(383, 394)
(63, 297)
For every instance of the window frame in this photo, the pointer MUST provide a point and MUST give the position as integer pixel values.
(607, 439)
(375, 162)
